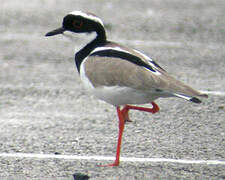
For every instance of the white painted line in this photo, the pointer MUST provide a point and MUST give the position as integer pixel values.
(103, 158)
(217, 93)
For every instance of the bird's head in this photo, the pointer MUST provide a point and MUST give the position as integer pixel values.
(79, 22)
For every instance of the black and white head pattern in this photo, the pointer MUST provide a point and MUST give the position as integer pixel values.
(88, 16)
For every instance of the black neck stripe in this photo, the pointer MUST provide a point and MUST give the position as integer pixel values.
(125, 56)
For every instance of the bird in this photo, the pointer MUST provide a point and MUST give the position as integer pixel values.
(119, 75)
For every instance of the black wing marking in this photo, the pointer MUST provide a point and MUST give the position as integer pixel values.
(157, 65)
(125, 56)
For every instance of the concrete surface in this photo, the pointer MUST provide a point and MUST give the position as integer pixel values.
(43, 108)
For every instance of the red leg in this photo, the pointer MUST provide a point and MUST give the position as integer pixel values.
(123, 117)
(152, 110)
(121, 128)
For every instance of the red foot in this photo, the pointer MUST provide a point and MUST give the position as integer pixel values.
(116, 163)
(125, 114)
(126, 109)
(152, 110)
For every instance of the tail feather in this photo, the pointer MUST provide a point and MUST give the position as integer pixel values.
(195, 100)
(190, 98)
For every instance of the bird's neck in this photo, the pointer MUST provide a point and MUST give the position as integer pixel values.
(99, 40)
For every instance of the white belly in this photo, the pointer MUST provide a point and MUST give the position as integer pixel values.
(116, 95)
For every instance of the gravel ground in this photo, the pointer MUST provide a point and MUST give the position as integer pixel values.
(44, 109)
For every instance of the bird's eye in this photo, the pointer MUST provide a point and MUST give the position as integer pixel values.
(77, 24)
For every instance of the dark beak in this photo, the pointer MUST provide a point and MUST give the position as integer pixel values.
(55, 32)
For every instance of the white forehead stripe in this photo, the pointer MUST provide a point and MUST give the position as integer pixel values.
(87, 16)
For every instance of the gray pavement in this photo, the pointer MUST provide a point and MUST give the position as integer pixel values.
(43, 108)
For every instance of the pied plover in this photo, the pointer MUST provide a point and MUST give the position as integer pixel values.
(119, 75)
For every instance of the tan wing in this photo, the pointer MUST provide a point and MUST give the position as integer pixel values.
(108, 71)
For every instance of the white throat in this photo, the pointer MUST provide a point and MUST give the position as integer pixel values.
(79, 40)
